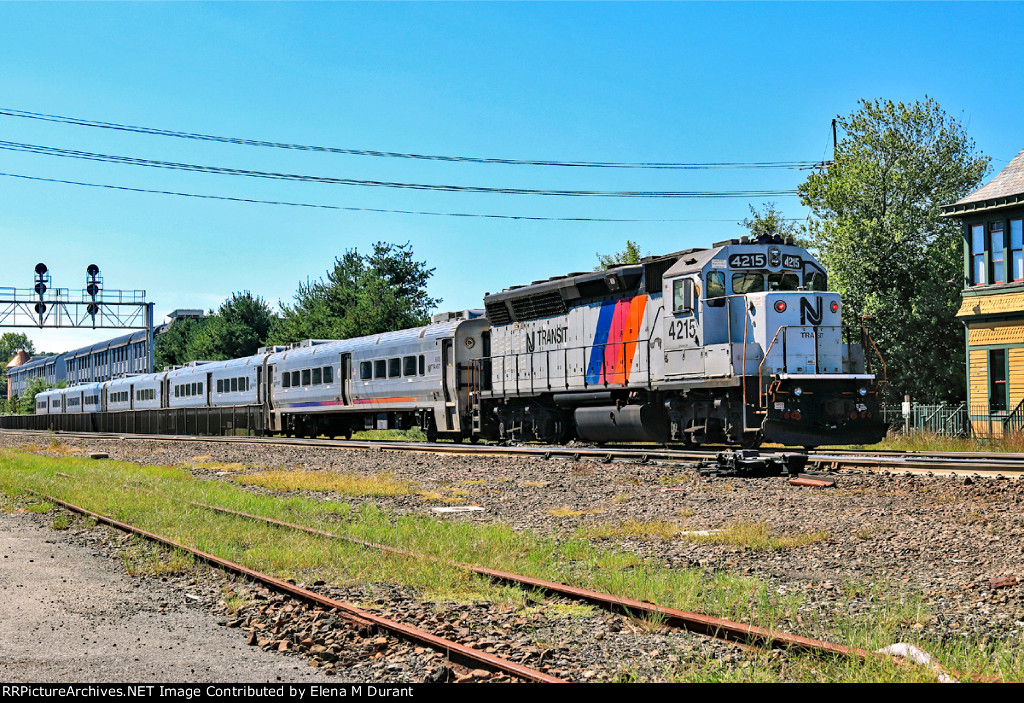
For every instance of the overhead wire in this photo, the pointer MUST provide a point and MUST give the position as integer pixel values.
(220, 170)
(62, 119)
(349, 208)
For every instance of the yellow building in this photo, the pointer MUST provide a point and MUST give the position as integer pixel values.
(993, 300)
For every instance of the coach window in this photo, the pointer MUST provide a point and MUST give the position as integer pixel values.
(380, 368)
(394, 367)
(1016, 250)
(328, 374)
(234, 385)
(220, 385)
(286, 380)
(295, 379)
(305, 377)
(748, 282)
(714, 289)
(318, 376)
(996, 255)
(409, 366)
(365, 370)
(978, 255)
(423, 366)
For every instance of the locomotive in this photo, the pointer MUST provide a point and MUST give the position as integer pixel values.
(740, 343)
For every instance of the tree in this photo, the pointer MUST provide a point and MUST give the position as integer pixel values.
(171, 348)
(630, 255)
(362, 295)
(242, 325)
(27, 401)
(771, 222)
(10, 343)
(876, 224)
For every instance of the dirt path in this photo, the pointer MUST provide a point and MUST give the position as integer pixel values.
(69, 613)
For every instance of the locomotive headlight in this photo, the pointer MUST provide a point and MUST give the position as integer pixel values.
(798, 391)
(862, 391)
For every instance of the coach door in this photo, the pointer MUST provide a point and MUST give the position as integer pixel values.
(345, 381)
(449, 382)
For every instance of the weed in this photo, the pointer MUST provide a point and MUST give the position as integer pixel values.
(40, 507)
(533, 484)
(621, 498)
(325, 481)
(566, 511)
(61, 522)
(756, 536)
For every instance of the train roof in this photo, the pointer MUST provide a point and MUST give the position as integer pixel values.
(556, 294)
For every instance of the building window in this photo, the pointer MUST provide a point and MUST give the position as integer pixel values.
(1016, 250)
(997, 396)
(997, 254)
(978, 255)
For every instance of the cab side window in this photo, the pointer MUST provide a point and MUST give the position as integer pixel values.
(714, 289)
(682, 295)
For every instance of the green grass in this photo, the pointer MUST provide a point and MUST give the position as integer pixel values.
(157, 499)
(757, 536)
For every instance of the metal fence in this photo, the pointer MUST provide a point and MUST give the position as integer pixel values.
(956, 419)
(234, 420)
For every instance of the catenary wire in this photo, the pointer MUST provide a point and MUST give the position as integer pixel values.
(220, 170)
(353, 209)
(801, 165)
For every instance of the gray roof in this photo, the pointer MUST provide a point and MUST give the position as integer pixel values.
(1007, 188)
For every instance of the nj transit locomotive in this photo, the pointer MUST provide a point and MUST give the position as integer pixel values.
(737, 344)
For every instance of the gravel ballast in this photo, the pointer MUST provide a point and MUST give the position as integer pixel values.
(873, 537)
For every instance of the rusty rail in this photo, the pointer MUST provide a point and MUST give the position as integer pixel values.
(362, 618)
(694, 622)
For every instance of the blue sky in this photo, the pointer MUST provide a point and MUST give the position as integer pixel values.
(667, 82)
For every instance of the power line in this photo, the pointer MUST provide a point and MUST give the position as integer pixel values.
(800, 165)
(220, 170)
(351, 209)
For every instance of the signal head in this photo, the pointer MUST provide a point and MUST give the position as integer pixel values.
(93, 270)
(92, 309)
(40, 288)
(41, 269)
(40, 308)
(92, 289)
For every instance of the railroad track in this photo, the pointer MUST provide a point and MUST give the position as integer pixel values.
(939, 463)
(744, 634)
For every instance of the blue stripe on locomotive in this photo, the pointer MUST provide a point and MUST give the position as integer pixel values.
(604, 325)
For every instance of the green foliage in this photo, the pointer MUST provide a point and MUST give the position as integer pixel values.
(171, 348)
(630, 255)
(10, 343)
(242, 325)
(877, 227)
(772, 222)
(27, 401)
(362, 295)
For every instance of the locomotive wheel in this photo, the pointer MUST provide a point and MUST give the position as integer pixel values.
(457, 439)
